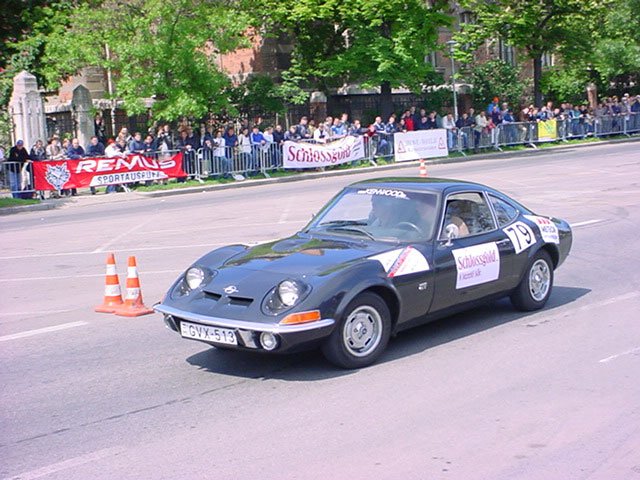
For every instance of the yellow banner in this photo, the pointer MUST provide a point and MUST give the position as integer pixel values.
(547, 130)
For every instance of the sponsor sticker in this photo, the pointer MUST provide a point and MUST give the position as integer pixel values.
(383, 192)
(521, 236)
(548, 229)
(402, 261)
(477, 264)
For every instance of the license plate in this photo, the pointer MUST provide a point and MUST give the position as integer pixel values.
(208, 334)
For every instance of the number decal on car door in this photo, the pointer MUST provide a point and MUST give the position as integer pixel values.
(520, 235)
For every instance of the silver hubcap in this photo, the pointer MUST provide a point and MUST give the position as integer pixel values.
(362, 331)
(539, 280)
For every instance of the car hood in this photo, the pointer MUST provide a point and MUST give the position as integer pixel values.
(299, 255)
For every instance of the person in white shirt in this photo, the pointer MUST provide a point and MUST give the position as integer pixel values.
(219, 154)
(449, 124)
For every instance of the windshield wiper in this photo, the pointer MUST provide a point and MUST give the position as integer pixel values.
(342, 223)
(352, 228)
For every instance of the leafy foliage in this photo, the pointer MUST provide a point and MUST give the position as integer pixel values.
(163, 49)
(370, 43)
(497, 78)
(536, 27)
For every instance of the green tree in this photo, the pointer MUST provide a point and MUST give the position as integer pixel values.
(537, 27)
(381, 44)
(497, 78)
(161, 49)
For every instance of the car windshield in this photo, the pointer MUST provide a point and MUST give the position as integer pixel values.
(379, 213)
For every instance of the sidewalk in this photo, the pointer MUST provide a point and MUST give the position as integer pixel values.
(86, 200)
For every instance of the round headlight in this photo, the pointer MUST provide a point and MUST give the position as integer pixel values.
(289, 292)
(194, 277)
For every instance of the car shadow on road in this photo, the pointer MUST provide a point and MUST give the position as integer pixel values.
(310, 366)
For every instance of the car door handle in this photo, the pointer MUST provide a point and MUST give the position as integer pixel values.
(503, 242)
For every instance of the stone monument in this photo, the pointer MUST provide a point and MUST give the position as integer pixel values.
(82, 107)
(27, 110)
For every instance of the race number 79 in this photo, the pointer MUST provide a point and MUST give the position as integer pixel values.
(520, 235)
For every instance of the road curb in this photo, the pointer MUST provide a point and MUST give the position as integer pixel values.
(28, 208)
(381, 168)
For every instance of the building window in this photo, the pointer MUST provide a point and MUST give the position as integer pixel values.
(431, 59)
(466, 18)
(506, 52)
(548, 60)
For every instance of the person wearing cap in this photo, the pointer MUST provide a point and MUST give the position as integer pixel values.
(18, 156)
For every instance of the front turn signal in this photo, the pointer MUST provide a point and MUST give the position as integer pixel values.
(302, 317)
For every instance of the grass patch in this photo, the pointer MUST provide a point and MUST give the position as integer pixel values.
(17, 202)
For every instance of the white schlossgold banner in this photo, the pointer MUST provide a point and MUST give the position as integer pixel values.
(314, 155)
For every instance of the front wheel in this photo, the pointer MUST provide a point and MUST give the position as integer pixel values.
(362, 334)
(535, 288)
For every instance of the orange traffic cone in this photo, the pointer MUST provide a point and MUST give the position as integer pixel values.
(133, 305)
(112, 295)
(423, 169)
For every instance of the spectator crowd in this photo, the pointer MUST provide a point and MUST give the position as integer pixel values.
(221, 150)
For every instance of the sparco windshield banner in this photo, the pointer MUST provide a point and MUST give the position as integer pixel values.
(313, 155)
(97, 172)
(420, 144)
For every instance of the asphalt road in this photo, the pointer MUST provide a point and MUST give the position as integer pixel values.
(490, 394)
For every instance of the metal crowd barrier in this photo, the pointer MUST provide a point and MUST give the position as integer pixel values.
(17, 179)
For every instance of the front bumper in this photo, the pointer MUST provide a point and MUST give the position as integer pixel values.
(290, 337)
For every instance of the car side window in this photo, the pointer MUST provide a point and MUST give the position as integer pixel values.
(469, 212)
(505, 212)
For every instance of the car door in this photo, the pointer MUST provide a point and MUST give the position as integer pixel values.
(476, 261)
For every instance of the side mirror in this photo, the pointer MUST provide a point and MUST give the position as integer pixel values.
(451, 231)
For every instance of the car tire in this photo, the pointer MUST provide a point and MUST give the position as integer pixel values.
(535, 287)
(361, 335)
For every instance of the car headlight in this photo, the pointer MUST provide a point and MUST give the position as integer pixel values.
(289, 292)
(194, 277)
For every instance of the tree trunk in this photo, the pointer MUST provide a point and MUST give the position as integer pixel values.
(386, 102)
(537, 76)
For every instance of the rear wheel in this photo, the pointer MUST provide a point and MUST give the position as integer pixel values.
(535, 288)
(362, 334)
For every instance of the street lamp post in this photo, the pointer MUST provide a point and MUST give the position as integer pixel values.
(451, 44)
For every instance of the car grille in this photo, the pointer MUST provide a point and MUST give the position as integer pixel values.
(231, 300)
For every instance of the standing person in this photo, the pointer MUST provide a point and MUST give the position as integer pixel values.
(244, 145)
(432, 121)
(292, 134)
(231, 143)
(480, 128)
(257, 142)
(278, 142)
(188, 154)
(165, 139)
(54, 149)
(136, 145)
(222, 163)
(100, 129)
(19, 157)
(95, 147)
(449, 125)
(38, 151)
(75, 152)
(113, 150)
(268, 146)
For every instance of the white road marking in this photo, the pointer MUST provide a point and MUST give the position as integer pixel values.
(285, 213)
(143, 249)
(40, 312)
(66, 464)
(613, 357)
(588, 306)
(586, 222)
(30, 333)
(106, 245)
(88, 275)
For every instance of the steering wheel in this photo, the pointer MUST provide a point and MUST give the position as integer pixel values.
(410, 226)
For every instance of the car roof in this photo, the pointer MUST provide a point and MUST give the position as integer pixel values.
(418, 184)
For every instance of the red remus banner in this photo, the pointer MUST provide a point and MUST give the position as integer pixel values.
(98, 172)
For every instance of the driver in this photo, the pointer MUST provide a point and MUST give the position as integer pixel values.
(383, 213)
